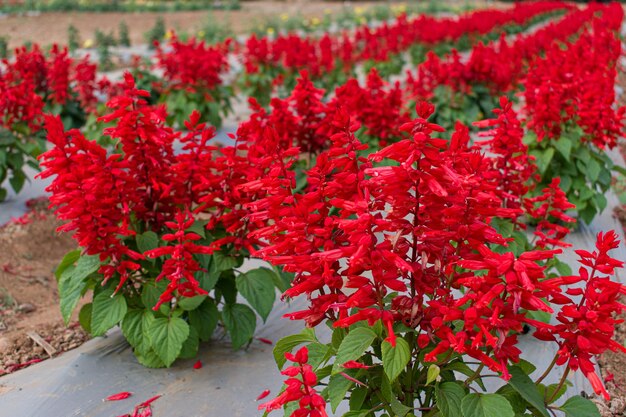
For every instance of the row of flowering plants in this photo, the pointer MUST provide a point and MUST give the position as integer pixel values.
(162, 235)
(410, 256)
(272, 62)
(572, 116)
(31, 83)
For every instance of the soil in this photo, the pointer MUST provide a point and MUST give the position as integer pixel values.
(30, 251)
(49, 28)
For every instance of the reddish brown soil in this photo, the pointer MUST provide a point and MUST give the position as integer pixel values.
(49, 28)
(29, 255)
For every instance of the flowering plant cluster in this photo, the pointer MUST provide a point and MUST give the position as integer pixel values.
(31, 83)
(161, 233)
(464, 89)
(193, 79)
(273, 61)
(401, 253)
(571, 113)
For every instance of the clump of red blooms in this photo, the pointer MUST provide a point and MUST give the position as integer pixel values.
(34, 79)
(192, 65)
(300, 387)
(107, 199)
(304, 119)
(570, 86)
(414, 219)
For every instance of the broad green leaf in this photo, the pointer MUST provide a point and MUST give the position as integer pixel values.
(357, 397)
(399, 409)
(518, 404)
(149, 359)
(151, 292)
(71, 289)
(578, 406)
(107, 311)
(318, 354)
(223, 262)
(564, 146)
(191, 303)
(136, 326)
(593, 170)
(338, 386)
(353, 346)
(84, 317)
(204, 319)
(190, 347)
(486, 405)
(257, 287)
(461, 367)
(395, 359)
(68, 260)
(432, 373)
(240, 321)
(286, 344)
(449, 396)
(167, 336)
(147, 241)
(527, 389)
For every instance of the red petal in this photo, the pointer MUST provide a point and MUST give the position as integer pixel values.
(197, 365)
(263, 395)
(118, 396)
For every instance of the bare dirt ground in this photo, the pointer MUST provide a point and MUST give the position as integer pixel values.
(49, 28)
(30, 250)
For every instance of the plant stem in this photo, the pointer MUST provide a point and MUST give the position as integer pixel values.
(476, 375)
(545, 374)
(558, 388)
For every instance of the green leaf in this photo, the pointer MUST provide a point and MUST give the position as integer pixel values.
(578, 406)
(84, 317)
(286, 344)
(486, 405)
(147, 241)
(190, 347)
(338, 386)
(564, 146)
(318, 354)
(399, 409)
(395, 359)
(527, 389)
(240, 321)
(518, 404)
(449, 396)
(151, 292)
(167, 336)
(222, 262)
(108, 310)
(204, 319)
(149, 359)
(432, 373)
(353, 346)
(541, 316)
(136, 327)
(593, 170)
(257, 287)
(68, 260)
(191, 303)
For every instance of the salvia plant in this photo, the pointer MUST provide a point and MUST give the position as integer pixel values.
(32, 83)
(404, 254)
(162, 235)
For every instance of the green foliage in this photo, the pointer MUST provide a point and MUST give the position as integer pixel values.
(585, 170)
(73, 38)
(159, 337)
(19, 149)
(124, 38)
(157, 33)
